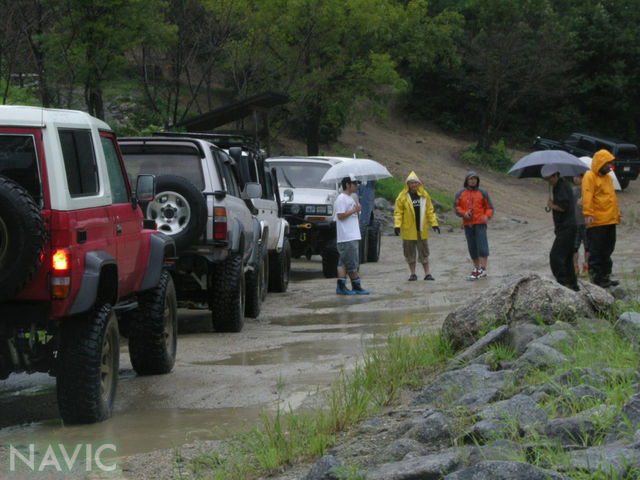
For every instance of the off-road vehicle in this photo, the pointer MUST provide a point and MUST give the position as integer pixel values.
(199, 203)
(267, 208)
(77, 264)
(307, 204)
(626, 166)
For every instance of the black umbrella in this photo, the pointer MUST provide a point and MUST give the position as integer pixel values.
(530, 165)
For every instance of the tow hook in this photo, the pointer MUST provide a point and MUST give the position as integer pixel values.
(303, 236)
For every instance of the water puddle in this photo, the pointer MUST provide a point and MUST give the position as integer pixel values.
(144, 419)
(135, 432)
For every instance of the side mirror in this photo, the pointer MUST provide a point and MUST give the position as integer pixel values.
(287, 195)
(145, 188)
(252, 190)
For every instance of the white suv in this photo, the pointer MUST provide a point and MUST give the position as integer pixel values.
(199, 203)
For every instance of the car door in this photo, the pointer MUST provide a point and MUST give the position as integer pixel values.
(127, 219)
(236, 208)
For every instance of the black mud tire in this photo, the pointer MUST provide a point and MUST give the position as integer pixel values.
(255, 285)
(153, 329)
(363, 245)
(624, 182)
(177, 194)
(280, 268)
(227, 294)
(330, 262)
(374, 239)
(22, 238)
(87, 366)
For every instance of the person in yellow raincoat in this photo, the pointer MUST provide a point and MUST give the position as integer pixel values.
(601, 215)
(412, 215)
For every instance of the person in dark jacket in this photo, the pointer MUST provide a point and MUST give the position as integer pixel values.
(474, 206)
(562, 207)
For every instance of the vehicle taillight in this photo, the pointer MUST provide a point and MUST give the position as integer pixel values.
(60, 273)
(219, 223)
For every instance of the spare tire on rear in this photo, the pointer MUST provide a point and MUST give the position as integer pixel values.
(21, 238)
(179, 209)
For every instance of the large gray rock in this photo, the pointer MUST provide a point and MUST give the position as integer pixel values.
(628, 421)
(578, 376)
(524, 298)
(614, 461)
(430, 467)
(628, 326)
(478, 398)
(494, 336)
(539, 356)
(402, 447)
(453, 384)
(556, 338)
(324, 469)
(521, 335)
(433, 429)
(574, 431)
(496, 470)
(519, 408)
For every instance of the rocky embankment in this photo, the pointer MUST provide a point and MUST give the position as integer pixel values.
(489, 416)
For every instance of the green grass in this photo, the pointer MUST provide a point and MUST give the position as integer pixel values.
(285, 436)
(402, 363)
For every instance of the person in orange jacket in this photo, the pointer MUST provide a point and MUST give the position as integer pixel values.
(601, 215)
(474, 206)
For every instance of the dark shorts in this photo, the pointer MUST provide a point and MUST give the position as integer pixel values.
(348, 255)
(477, 240)
(581, 237)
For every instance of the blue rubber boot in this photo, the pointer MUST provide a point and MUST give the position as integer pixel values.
(357, 288)
(341, 287)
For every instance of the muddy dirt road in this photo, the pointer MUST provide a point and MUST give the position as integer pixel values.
(301, 341)
(305, 336)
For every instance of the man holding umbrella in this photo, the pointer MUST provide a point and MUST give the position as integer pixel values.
(348, 238)
(564, 221)
(601, 215)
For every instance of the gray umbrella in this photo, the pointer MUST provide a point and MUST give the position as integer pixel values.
(530, 165)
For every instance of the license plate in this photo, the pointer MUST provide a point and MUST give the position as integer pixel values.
(626, 169)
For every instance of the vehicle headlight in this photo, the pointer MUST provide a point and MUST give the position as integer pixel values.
(295, 209)
(329, 210)
(309, 209)
(321, 209)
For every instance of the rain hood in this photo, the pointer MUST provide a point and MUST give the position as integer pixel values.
(599, 159)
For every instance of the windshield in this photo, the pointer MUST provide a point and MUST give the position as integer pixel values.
(300, 175)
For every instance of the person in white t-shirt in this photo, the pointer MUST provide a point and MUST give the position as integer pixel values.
(348, 237)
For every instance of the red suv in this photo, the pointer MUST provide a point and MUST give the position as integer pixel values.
(77, 264)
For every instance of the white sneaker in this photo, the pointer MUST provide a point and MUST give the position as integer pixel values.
(474, 274)
(482, 273)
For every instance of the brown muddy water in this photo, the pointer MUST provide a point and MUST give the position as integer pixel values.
(221, 382)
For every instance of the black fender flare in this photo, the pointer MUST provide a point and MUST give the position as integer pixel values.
(95, 262)
(256, 238)
(161, 246)
(237, 237)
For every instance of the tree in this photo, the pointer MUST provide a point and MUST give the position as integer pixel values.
(514, 52)
(327, 56)
(95, 35)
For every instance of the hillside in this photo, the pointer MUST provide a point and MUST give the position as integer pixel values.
(403, 146)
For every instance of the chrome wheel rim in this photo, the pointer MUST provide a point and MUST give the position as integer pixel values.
(170, 211)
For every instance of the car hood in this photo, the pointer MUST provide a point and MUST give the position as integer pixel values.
(315, 196)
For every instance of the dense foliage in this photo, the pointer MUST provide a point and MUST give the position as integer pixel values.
(500, 68)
